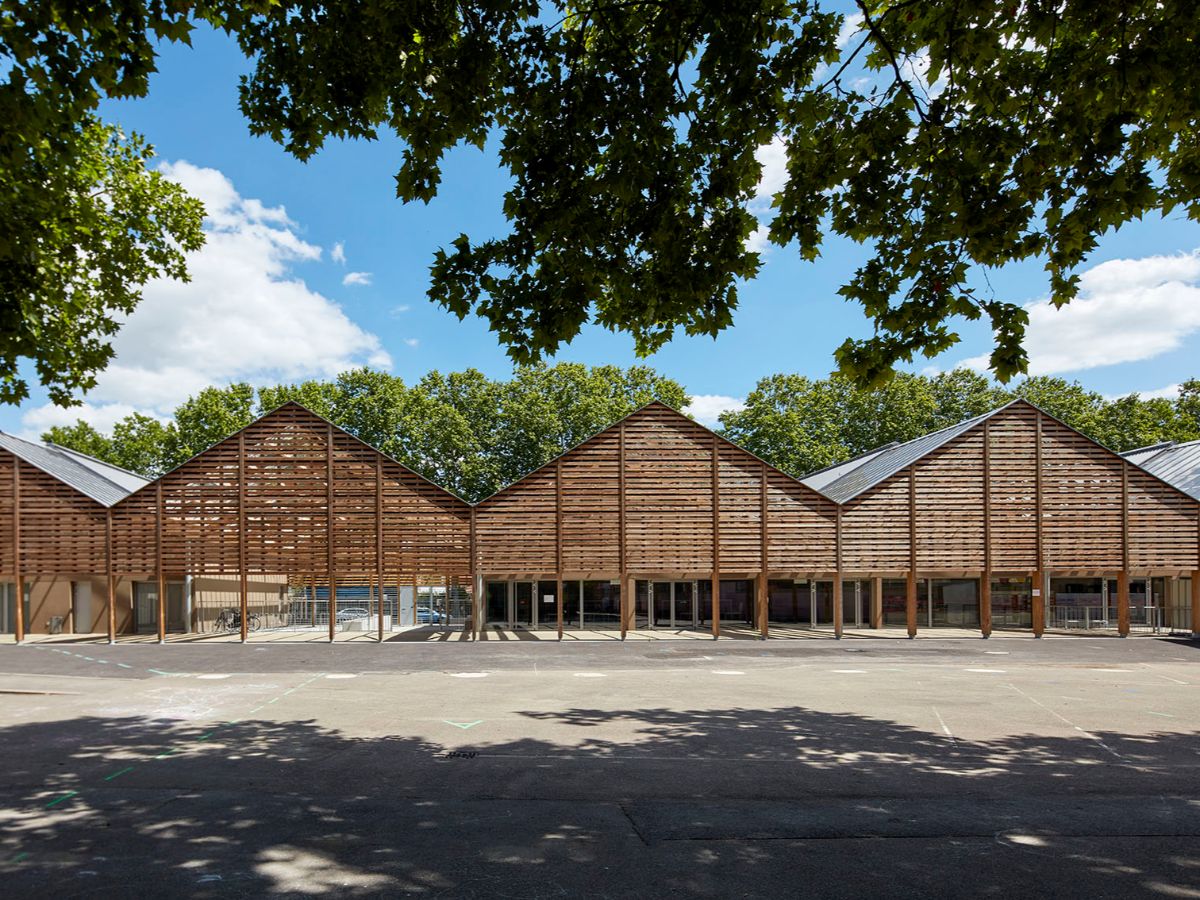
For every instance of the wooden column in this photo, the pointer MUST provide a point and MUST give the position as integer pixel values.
(558, 545)
(312, 601)
(379, 542)
(910, 604)
(331, 580)
(628, 608)
(18, 581)
(985, 578)
(876, 603)
(985, 604)
(837, 606)
(626, 599)
(244, 589)
(716, 533)
(476, 607)
(1038, 592)
(1123, 603)
(1196, 604)
(1037, 603)
(109, 579)
(838, 613)
(763, 595)
(158, 563)
(910, 600)
(761, 604)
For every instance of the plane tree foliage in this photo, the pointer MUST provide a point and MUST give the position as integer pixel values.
(948, 138)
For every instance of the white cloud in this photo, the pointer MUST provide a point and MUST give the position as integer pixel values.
(1170, 392)
(360, 278)
(1127, 310)
(706, 408)
(338, 253)
(412, 342)
(773, 159)
(760, 239)
(851, 25)
(244, 315)
(400, 310)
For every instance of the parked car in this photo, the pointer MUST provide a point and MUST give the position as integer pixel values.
(354, 612)
(427, 616)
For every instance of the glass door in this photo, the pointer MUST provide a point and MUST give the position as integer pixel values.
(496, 600)
(661, 590)
(523, 604)
(685, 604)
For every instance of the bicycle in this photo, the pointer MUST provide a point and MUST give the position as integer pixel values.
(231, 620)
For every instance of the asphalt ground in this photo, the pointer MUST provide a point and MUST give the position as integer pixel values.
(1067, 766)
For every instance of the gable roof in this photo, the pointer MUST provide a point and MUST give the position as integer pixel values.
(105, 483)
(845, 481)
(1176, 464)
(653, 404)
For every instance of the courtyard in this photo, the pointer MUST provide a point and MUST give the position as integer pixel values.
(945, 766)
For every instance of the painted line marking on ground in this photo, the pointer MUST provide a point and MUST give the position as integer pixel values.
(213, 676)
(987, 671)
(727, 672)
(945, 727)
(590, 675)
(341, 675)
(1064, 719)
(849, 671)
(125, 665)
(464, 725)
(996, 652)
(467, 674)
(24, 854)
(66, 796)
(1164, 715)
(118, 773)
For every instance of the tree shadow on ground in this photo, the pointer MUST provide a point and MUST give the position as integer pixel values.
(628, 802)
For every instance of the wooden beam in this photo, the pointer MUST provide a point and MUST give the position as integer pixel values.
(761, 604)
(158, 562)
(379, 542)
(558, 604)
(628, 608)
(473, 563)
(18, 581)
(877, 603)
(109, 579)
(244, 590)
(910, 604)
(1123, 603)
(331, 604)
(1037, 498)
(1125, 517)
(716, 536)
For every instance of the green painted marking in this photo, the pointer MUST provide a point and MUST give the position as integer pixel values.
(21, 856)
(125, 665)
(66, 796)
(205, 737)
(118, 774)
(157, 672)
(166, 753)
(463, 725)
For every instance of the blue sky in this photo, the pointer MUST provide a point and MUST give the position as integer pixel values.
(274, 299)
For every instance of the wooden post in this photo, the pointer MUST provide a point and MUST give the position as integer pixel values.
(838, 617)
(1037, 604)
(910, 604)
(763, 596)
(626, 599)
(331, 605)
(379, 542)
(985, 604)
(476, 609)
(1196, 604)
(985, 582)
(876, 603)
(761, 604)
(245, 595)
(18, 581)
(910, 600)
(110, 579)
(558, 603)
(158, 554)
(1123, 603)
(628, 608)
(716, 534)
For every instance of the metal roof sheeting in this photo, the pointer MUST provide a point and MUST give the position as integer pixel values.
(104, 483)
(858, 475)
(1176, 464)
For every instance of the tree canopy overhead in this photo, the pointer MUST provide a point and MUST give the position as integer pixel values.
(947, 137)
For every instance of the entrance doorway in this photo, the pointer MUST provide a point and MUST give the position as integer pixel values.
(520, 604)
(666, 604)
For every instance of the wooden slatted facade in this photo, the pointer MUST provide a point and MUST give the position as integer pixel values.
(655, 496)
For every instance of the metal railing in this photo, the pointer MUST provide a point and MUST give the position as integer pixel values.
(1099, 618)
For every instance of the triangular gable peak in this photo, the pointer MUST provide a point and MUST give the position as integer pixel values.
(299, 416)
(661, 412)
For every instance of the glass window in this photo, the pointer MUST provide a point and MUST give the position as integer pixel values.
(894, 598)
(1012, 603)
(788, 602)
(955, 602)
(737, 601)
(497, 602)
(601, 604)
